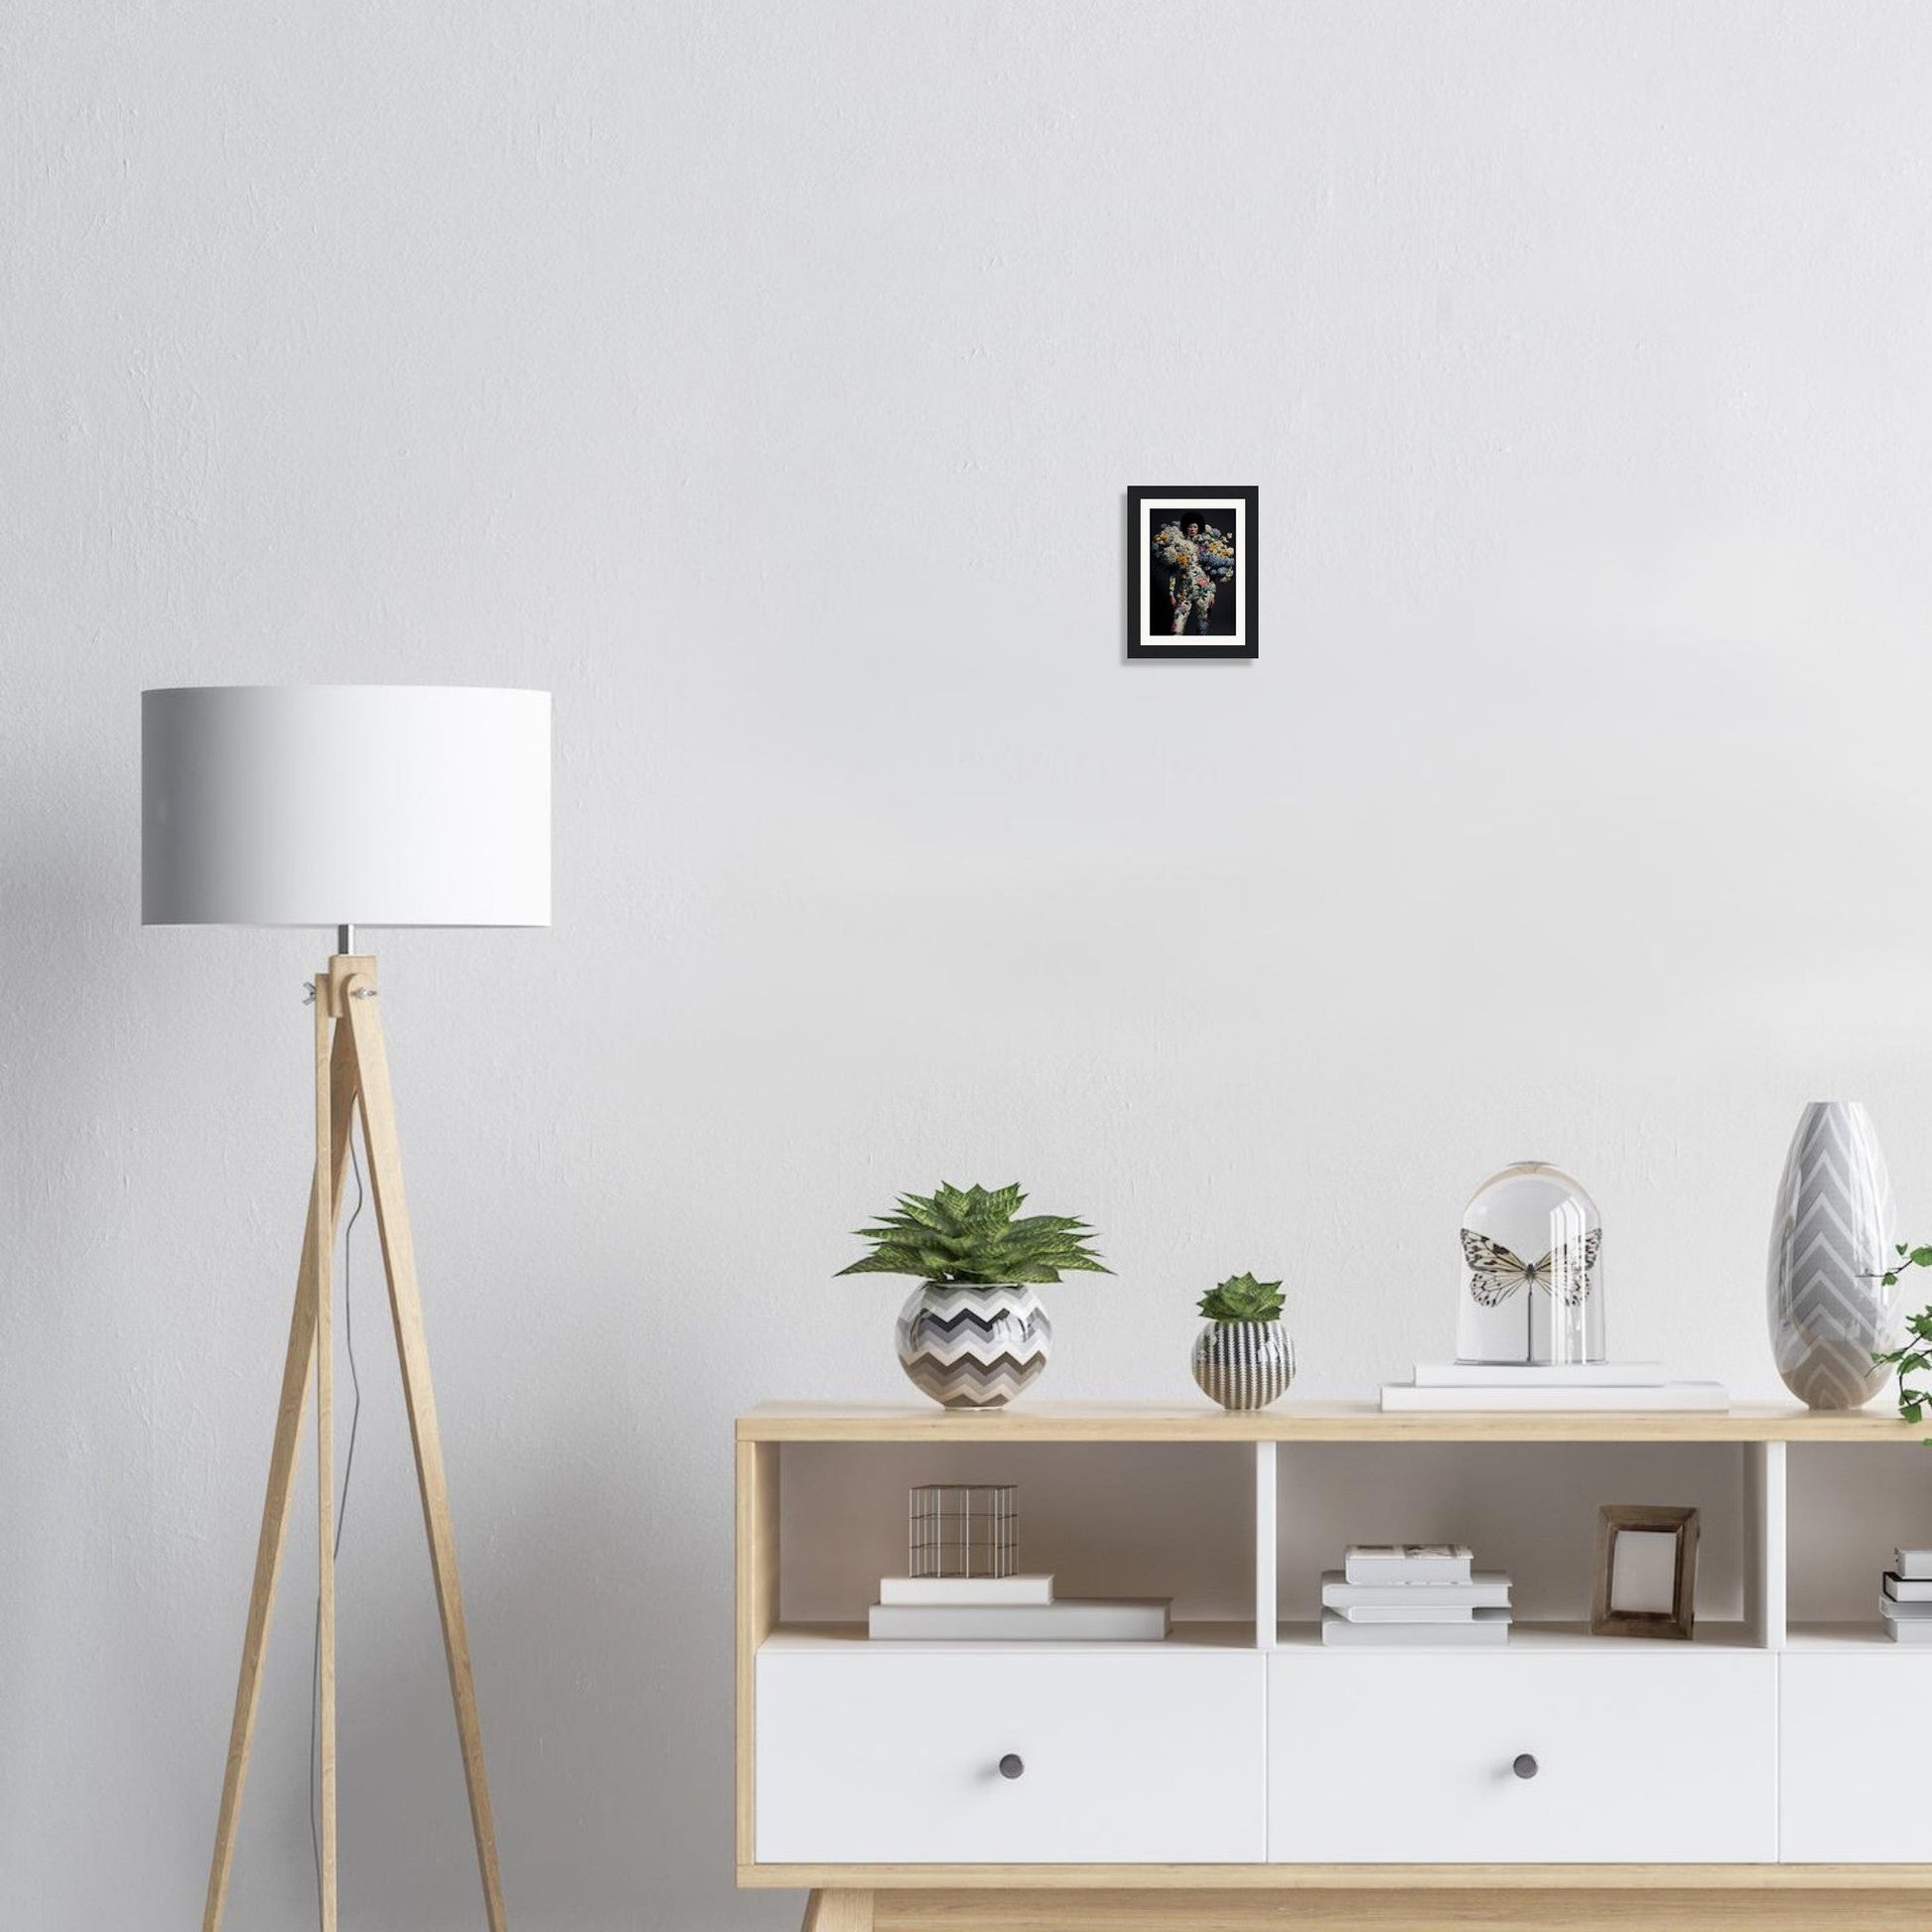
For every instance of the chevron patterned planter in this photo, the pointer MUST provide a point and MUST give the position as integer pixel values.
(1830, 1242)
(1243, 1364)
(973, 1348)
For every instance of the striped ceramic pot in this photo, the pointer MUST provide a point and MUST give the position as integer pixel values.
(1831, 1244)
(1243, 1364)
(973, 1348)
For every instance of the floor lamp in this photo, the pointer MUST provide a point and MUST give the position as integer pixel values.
(345, 806)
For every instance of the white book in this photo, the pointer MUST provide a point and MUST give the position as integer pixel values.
(1673, 1396)
(1407, 1613)
(1910, 1632)
(958, 1591)
(1486, 1589)
(1908, 1590)
(1905, 1613)
(1538, 1375)
(1915, 1566)
(1408, 1563)
(1483, 1627)
(1119, 1620)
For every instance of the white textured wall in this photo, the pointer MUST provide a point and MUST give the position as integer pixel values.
(765, 380)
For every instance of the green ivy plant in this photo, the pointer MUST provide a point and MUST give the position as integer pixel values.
(975, 1237)
(1243, 1298)
(1915, 1357)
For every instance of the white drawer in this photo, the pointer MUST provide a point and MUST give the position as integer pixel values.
(1660, 1753)
(887, 1755)
(1851, 1789)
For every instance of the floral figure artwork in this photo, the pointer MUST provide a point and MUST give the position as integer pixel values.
(1196, 556)
(1191, 581)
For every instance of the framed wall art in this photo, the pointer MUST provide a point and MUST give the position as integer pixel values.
(1191, 575)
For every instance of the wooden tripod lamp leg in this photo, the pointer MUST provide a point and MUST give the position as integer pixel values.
(405, 1305)
(281, 1472)
(324, 1298)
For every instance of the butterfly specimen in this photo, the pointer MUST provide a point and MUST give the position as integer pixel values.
(1496, 1274)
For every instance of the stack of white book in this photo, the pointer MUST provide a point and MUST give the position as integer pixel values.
(1906, 1601)
(1396, 1594)
(1449, 1386)
(1019, 1609)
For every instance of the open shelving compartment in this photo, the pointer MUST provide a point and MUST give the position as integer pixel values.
(1528, 1509)
(1106, 1519)
(1235, 1517)
(1846, 1508)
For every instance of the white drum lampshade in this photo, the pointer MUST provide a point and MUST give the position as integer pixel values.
(344, 805)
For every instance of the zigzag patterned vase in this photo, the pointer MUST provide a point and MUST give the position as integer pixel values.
(1830, 1242)
(973, 1348)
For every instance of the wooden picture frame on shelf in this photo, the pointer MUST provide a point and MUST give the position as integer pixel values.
(1626, 1605)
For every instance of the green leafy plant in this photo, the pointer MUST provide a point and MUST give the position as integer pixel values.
(1915, 1357)
(975, 1237)
(1243, 1298)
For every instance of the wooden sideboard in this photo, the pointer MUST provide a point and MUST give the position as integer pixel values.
(1240, 1774)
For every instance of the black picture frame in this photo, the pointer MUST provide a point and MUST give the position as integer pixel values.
(1147, 501)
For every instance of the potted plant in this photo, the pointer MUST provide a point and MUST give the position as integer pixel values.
(1914, 1356)
(973, 1336)
(1243, 1356)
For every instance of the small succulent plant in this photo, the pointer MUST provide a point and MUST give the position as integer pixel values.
(1243, 1298)
(975, 1237)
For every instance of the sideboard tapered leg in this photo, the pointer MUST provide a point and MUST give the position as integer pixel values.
(838, 1911)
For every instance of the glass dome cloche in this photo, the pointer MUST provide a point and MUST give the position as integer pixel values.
(1532, 1277)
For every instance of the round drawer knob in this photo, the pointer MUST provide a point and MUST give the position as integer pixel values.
(1013, 1765)
(1526, 1766)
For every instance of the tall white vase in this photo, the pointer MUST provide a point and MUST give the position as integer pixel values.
(1830, 1242)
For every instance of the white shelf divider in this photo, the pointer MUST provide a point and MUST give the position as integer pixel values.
(1766, 1540)
(1267, 1531)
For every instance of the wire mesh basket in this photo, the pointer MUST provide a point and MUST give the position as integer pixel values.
(963, 1529)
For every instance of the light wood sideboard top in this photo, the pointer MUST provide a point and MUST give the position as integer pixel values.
(1305, 1422)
